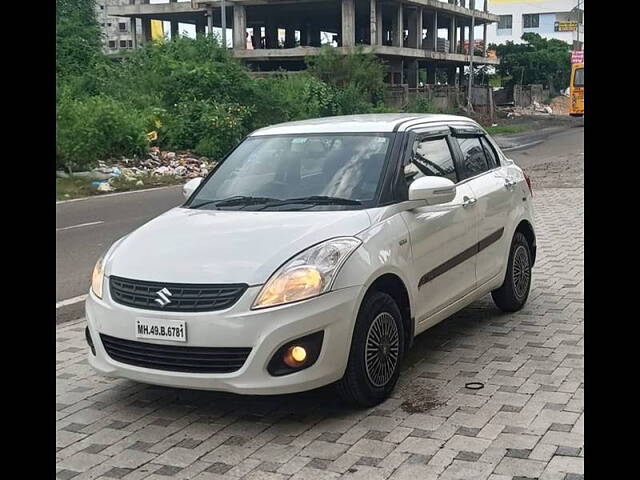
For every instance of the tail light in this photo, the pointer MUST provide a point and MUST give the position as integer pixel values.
(528, 179)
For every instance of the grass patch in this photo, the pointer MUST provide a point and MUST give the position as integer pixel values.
(79, 187)
(505, 129)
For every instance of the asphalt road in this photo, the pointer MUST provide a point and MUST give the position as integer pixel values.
(86, 228)
(552, 159)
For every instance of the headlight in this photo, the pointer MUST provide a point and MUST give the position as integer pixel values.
(308, 274)
(97, 278)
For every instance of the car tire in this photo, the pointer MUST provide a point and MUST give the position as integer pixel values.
(513, 293)
(379, 336)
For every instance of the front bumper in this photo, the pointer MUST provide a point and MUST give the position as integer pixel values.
(263, 330)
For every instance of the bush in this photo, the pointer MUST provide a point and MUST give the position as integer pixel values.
(361, 72)
(421, 104)
(209, 127)
(94, 128)
(192, 93)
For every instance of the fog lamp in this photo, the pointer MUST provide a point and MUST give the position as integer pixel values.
(295, 356)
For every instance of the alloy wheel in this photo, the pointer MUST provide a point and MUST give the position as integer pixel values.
(382, 349)
(521, 271)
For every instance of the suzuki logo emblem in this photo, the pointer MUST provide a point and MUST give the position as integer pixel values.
(164, 295)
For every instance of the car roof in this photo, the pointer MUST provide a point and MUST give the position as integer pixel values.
(370, 123)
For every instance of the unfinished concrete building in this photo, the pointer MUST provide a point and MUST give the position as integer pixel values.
(416, 38)
(117, 33)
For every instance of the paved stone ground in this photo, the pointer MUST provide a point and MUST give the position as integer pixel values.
(527, 421)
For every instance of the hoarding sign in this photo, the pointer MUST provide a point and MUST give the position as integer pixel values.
(565, 26)
(577, 56)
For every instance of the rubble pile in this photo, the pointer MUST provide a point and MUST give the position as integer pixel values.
(140, 170)
(534, 109)
(560, 105)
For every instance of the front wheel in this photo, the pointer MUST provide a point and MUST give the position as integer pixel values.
(513, 293)
(376, 351)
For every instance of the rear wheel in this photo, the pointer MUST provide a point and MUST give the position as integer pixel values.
(376, 351)
(513, 293)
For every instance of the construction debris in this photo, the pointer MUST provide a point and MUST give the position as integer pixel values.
(135, 170)
(164, 163)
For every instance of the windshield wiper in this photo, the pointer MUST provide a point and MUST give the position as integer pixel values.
(314, 200)
(237, 200)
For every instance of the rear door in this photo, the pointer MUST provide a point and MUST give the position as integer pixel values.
(441, 235)
(494, 195)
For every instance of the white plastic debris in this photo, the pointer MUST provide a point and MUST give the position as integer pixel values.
(105, 187)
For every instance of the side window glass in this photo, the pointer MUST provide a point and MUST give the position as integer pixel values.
(430, 157)
(474, 161)
(491, 154)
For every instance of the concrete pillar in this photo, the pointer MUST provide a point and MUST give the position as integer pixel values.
(431, 33)
(201, 28)
(175, 29)
(315, 37)
(239, 27)
(379, 24)
(290, 37)
(210, 21)
(271, 34)
(452, 35)
(414, 25)
(462, 38)
(412, 73)
(146, 30)
(484, 39)
(398, 27)
(451, 76)
(348, 23)
(134, 32)
(304, 35)
(435, 30)
(375, 20)
(431, 73)
(257, 36)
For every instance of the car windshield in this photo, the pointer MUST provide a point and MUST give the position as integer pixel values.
(295, 172)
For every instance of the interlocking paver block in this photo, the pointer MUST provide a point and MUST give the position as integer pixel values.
(526, 422)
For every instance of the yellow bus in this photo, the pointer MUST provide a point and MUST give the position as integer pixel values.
(576, 90)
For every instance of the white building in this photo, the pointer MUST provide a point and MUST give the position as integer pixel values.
(561, 19)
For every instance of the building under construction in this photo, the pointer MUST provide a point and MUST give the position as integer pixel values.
(415, 38)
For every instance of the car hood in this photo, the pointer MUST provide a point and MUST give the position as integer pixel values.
(213, 246)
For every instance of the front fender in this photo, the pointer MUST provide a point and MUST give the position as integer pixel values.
(385, 249)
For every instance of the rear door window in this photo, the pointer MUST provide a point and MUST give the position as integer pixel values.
(492, 157)
(474, 159)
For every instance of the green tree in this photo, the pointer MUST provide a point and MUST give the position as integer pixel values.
(78, 42)
(361, 72)
(537, 60)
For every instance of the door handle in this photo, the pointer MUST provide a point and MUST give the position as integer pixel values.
(509, 184)
(468, 202)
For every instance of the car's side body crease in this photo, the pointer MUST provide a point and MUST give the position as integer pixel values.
(461, 257)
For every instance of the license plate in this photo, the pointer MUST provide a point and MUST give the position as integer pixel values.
(173, 330)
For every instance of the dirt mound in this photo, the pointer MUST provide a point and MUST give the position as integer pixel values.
(560, 105)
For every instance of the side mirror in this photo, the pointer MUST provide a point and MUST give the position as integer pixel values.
(191, 186)
(433, 190)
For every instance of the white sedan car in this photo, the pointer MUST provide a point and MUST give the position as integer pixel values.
(313, 254)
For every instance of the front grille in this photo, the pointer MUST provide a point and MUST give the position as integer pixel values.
(184, 297)
(175, 358)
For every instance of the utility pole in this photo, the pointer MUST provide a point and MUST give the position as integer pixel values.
(472, 6)
(223, 15)
(576, 8)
